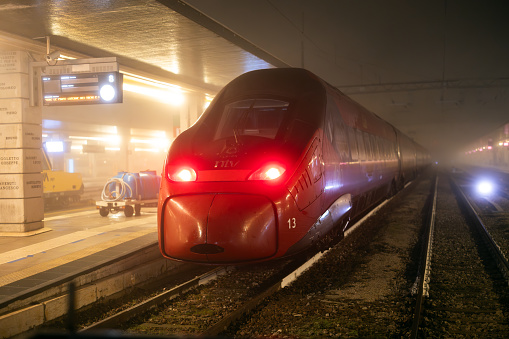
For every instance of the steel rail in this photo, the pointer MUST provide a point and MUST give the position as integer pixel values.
(421, 285)
(127, 314)
(493, 247)
(286, 277)
(115, 320)
(424, 268)
(223, 324)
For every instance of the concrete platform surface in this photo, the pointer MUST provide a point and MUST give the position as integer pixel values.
(72, 241)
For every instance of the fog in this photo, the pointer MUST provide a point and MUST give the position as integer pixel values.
(437, 70)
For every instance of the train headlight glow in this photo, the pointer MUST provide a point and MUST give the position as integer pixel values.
(182, 174)
(269, 172)
(485, 187)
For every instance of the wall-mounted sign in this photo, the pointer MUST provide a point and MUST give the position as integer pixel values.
(82, 88)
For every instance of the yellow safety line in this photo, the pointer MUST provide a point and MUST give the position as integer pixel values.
(71, 212)
(69, 215)
(69, 238)
(27, 272)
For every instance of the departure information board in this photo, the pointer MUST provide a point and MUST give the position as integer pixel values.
(82, 88)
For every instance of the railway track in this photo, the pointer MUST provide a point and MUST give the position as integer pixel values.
(208, 304)
(468, 288)
(494, 212)
(127, 314)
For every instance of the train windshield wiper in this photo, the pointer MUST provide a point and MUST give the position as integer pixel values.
(241, 123)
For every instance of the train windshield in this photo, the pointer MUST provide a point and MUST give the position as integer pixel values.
(252, 117)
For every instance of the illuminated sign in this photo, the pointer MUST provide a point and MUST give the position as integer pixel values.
(82, 88)
(54, 146)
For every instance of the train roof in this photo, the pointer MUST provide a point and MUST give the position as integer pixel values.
(309, 93)
(305, 91)
(285, 82)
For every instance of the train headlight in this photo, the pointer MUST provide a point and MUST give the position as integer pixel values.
(485, 187)
(269, 172)
(182, 174)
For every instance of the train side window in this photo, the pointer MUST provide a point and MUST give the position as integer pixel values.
(353, 144)
(383, 154)
(372, 145)
(374, 149)
(375, 144)
(386, 149)
(341, 140)
(339, 133)
(392, 151)
(367, 145)
(360, 144)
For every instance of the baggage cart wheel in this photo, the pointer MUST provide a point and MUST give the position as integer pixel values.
(137, 209)
(128, 211)
(104, 211)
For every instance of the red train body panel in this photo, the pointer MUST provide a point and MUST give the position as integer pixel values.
(278, 162)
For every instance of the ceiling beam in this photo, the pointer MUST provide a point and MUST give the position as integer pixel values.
(424, 85)
(201, 19)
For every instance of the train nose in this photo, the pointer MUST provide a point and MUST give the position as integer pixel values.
(219, 228)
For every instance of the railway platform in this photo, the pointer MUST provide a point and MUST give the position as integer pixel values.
(69, 243)
(97, 253)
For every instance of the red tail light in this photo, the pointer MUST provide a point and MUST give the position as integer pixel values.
(181, 174)
(269, 172)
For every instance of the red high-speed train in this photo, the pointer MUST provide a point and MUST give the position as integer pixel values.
(279, 161)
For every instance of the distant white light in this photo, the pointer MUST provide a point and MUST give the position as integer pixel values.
(54, 146)
(485, 187)
(70, 166)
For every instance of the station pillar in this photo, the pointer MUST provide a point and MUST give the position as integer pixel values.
(125, 136)
(21, 180)
(184, 121)
(191, 110)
